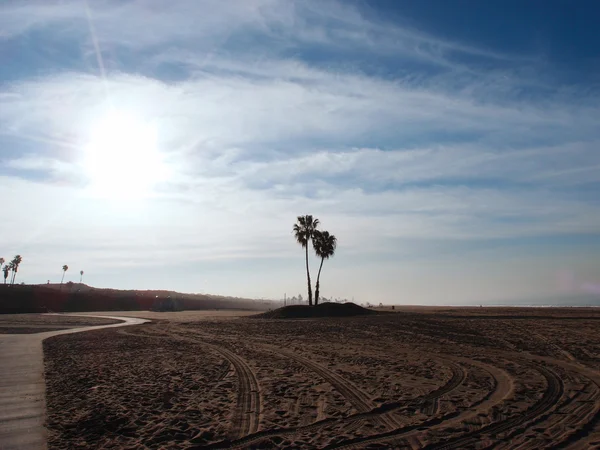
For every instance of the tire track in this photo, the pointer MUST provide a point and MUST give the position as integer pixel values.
(551, 397)
(431, 401)
(246, 417)
(458, 376)
(572, 423)
(540, 337)
(353, 394)
(582, 437)
(502, 388)
(247, 414)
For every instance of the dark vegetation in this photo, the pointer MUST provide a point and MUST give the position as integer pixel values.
(11, 266)
(82, 298)
(322, 310)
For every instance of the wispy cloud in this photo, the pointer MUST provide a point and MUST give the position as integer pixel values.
(211, 23)
(266, 109)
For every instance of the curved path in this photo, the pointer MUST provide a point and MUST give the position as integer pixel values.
(22, 386)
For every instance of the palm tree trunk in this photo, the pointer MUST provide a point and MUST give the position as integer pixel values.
(317, 286)
(63, 277)
(308, 276)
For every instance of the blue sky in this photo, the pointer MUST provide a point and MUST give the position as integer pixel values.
(451, 146)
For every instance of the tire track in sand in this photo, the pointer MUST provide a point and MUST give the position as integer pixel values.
(431, 401)
(552, 395)
(354, 420)
(503, 388)
(246, 417)
(353, 394)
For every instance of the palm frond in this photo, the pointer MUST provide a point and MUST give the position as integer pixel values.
(324, 244)
(304, 229)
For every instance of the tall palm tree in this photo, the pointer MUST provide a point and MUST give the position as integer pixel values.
(324, 245)
(64, 268)
(16, 261)
(304, 229)
(80, 276)
(1, 262)
(6, 269)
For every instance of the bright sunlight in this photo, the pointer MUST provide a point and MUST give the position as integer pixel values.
(122, 159)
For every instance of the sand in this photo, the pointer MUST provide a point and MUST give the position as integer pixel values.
(419, 378)
(22, 383)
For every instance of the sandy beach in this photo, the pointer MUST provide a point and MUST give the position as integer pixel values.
(417, 378)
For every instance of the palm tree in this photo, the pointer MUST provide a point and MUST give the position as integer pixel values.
(64, 268)
(16, 261)
(80, 276)
(1, 262)
(324, 245)
(304, 229)
(7, 268)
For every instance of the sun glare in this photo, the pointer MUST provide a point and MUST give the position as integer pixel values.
(122, 158)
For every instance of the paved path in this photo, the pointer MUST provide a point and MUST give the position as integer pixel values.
(22, 386)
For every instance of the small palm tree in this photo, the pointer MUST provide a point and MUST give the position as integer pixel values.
(324, 245)
(16, 261)
(80, 276)
(1, 262)
(64, 268)
(304, 229)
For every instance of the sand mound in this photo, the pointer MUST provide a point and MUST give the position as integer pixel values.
(322, 310)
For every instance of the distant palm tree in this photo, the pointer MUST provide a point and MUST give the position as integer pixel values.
(16, 262)
(80, 276)
(7, 268)
(1, 262)
(64, 268)
(324, 245)
(304, 229)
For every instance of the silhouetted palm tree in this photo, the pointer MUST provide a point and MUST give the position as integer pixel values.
(80, 276)
(304, 230)
(64, 268)
(324, 245)
(1, 262)
(16, 261)
(7, 268)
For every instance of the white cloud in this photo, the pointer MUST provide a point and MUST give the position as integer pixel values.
(228, 136)
(254, 139)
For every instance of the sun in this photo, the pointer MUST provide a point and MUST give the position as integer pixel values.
(122, 158)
